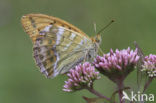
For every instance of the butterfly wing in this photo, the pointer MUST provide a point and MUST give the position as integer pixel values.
(34, 23)
(58, 45)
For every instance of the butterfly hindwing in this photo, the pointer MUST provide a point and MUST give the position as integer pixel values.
(58, 45)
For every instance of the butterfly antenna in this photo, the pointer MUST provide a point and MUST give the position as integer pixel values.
(106, 26)
(94, 23)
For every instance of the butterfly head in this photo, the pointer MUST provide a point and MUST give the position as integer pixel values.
(97, 39)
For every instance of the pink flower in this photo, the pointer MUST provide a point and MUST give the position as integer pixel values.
(118, 64)
(80, 77)
(150, 65)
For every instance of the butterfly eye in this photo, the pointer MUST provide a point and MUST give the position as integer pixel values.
(98, 38)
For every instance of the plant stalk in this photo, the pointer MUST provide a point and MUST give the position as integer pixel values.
(92, 90)
(147, 84)
(120, 90)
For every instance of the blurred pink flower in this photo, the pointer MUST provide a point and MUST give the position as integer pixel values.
(118, 64)
(81, 76)
(150, 65)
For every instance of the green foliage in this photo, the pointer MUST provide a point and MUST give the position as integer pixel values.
(20, 79)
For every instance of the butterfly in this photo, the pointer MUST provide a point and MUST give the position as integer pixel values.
(58, 46)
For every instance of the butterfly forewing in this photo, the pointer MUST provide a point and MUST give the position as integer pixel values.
(58, 45)
(34, 23)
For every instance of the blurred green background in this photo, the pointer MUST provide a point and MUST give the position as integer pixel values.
(20, 79)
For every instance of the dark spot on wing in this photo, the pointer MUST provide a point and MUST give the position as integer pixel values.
(32, 22)
(54, 21)
(37, 49)
(41, 57)
(51, 59)
(45, 64)
(63, 25)
(48, 52)
(50, 42)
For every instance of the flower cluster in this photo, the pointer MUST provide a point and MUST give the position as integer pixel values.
(150, 65)
(117, 64)
(80, 77)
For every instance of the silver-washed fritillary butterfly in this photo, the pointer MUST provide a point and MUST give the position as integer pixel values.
(57, 45)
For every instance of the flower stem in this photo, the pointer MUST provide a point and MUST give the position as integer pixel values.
(120, 87)
(92, 90)
(147, 84)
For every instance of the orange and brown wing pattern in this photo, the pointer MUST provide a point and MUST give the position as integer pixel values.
(34, 23)
(58, 45)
